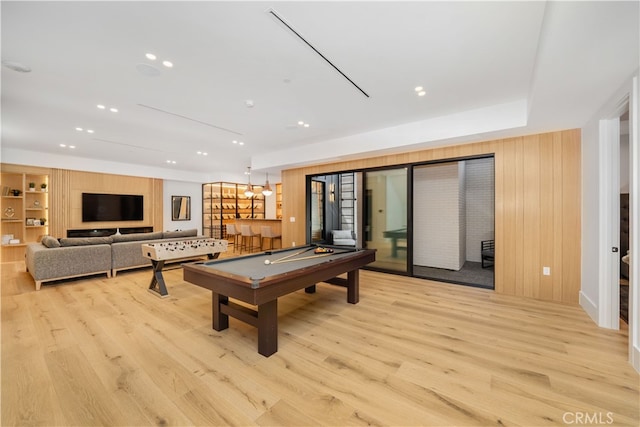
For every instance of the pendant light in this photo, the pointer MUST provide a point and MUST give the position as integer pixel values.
(267, 191)
(249, 191)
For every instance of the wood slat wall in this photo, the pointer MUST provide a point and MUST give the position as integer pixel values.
(65, 203)
(538, 208)
(91, 182)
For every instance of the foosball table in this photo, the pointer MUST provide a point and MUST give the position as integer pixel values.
(177, 250)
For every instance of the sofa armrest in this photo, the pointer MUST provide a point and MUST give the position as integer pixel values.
(46, 264)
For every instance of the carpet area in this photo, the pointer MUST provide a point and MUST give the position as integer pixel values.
(471, 274)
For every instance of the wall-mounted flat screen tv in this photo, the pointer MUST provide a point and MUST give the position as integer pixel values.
(111, 207)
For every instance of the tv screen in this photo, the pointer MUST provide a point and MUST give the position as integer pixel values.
(111, 207)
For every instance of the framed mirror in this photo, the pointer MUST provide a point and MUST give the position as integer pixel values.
(180, 208)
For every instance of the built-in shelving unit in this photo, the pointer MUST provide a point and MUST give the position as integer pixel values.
(278, 201)
(24, 212)
(224, 202)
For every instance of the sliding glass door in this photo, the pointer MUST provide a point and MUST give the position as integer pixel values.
(453, 221)
(386, 218)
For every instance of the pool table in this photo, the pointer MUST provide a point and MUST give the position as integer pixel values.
(260, 279)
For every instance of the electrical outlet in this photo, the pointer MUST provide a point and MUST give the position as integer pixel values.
(546, 271)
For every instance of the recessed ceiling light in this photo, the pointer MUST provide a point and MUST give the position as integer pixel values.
(63, 145)
(100, 106)
(419, 88)
(151, 56)
(79, 129)
(72, 146)
(167, 64)
(241, 143)
(90, 130)
(306, 125)
(234, 141)
(202, 153)
(173, 162)
(113, 110)
(300, 122)
(421, 93)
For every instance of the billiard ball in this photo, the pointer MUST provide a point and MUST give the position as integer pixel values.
(267, 262)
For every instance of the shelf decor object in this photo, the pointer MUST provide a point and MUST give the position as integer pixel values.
(9, 212)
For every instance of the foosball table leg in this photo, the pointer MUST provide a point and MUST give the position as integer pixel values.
(157, 285)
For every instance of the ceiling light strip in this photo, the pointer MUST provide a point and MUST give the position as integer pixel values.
(189, 118)
(275, 15)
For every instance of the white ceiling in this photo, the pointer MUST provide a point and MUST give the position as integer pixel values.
(489, 68)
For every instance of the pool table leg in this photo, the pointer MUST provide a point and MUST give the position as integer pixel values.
(353, 286)
(220, 320)
(310, 289)
(268, 328)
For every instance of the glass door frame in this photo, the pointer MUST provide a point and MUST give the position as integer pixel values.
(363, 212)
(366, 215)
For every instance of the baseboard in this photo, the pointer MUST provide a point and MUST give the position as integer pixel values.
(589, 307)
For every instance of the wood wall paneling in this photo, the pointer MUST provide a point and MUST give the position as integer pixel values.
(65, 200)
(537, 208)
(91, 182)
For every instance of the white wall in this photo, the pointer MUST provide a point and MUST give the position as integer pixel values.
(437, 231)
(624, 163)
(396, 201)
(480, 210)
(182, 188)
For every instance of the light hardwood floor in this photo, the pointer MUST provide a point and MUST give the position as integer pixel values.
(100, 351)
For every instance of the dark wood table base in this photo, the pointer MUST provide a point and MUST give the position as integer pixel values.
(265, 317)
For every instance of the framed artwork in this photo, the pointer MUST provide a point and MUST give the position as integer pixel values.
(31, 221)
(180, 208)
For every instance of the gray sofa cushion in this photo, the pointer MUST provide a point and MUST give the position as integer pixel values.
(85, 241)
(180, 233)
(343, 238)
(50, 242)
(342, 234)
(134, 237)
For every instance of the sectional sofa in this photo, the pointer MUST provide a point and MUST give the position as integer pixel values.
(55, 259)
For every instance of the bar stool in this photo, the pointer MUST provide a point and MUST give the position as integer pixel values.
(232, 231)
(266, 232)
(247, 236)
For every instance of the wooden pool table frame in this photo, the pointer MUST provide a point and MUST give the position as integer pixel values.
(265, 294)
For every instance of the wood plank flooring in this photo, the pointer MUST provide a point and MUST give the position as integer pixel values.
(98, 351)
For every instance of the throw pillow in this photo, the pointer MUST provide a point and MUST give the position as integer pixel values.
(50, 242)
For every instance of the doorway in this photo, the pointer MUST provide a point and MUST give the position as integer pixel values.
(332, 207)
(623, 216)
(453, 221)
